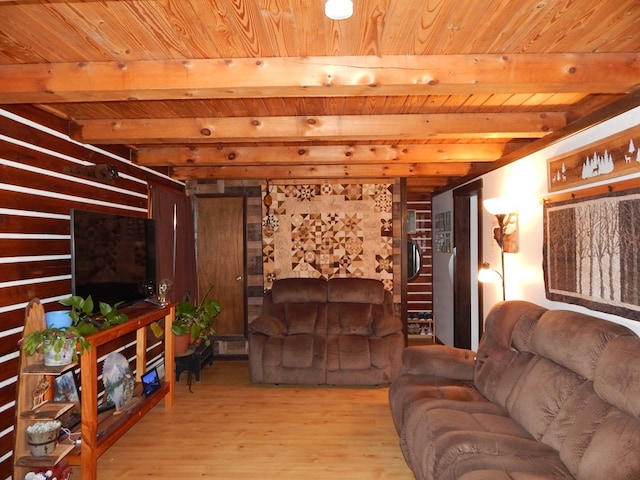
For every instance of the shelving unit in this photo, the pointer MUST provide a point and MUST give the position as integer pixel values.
(425, 328)
(98, 431)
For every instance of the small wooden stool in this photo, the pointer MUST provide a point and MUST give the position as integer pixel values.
(193, 361)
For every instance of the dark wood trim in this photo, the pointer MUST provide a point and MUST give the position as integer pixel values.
(463, 245)
(618, 107)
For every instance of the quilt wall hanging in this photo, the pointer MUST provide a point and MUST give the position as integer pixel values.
(328, 230)
(591, 252)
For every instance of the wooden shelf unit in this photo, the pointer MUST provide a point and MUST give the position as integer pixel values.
(98, 431)
(430, 324)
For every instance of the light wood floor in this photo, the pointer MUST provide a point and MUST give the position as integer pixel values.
(230, 429)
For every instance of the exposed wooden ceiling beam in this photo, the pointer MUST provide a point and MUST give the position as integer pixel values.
(434, 169)
(336, 128)
(319, 76)
(283, 155)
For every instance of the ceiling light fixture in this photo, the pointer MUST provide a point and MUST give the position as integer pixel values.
(338, 9)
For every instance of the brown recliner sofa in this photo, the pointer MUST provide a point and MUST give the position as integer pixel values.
(336, 332)
(550, 395)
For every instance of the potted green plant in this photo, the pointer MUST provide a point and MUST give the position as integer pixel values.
(196, 320)
(59, 346)
(82, 309)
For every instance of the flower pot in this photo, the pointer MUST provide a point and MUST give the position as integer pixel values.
(58, 319)
(181, 343)
(63, 357)
(42, 438)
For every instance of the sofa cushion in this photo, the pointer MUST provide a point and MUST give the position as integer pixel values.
(268, 325)
(299, 290)
(617, 379)
(353, 352)
(386, 325)
(355, 290)
(540, 393)
(302, 317)
(352, 318)
(573, 340)
(297, 351)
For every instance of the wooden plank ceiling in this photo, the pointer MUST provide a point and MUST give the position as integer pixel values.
(432, 90)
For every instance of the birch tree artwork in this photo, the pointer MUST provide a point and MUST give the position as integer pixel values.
(592, 253)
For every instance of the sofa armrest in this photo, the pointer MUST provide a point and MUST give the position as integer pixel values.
(386, 325)
(268, 325)
(439, 361)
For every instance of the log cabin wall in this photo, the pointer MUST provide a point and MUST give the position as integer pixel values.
(39, 184)
(420, 290)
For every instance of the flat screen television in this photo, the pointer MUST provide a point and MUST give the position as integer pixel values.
(113, 257)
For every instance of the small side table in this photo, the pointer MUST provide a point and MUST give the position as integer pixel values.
(193, 360)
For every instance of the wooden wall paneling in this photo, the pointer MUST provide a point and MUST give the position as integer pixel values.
(35, 202)
(80, 188)
(20, 224)
(22, 293)
(17, 271)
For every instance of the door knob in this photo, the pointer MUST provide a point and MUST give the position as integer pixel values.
(238, 278)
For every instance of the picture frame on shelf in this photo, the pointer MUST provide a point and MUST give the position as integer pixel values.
(150, 382)
(65, 388)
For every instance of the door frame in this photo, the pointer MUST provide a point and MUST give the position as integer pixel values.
(464, 244)
(245, 320)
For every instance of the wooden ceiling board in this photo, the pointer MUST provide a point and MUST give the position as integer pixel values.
(283, 61)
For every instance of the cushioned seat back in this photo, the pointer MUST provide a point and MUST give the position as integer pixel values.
(495, 357)
(301, 303)
(353, 305)
(299, 290)
(355, 290)
(575, 387)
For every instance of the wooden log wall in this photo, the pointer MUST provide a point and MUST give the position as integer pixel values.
(420, 290)
(40, 181)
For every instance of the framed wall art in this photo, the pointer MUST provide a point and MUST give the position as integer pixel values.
(591, 251)
(611, 157)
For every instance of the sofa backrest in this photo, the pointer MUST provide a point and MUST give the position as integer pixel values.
(573, 382)
(355, 290)
(355, 304)
(300, 302)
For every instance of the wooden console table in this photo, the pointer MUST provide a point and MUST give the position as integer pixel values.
(98, 431)
(99, 434)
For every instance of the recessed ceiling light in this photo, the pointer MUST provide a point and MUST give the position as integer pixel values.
(338, 9)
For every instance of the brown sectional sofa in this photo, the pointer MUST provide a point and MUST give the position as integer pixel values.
(336, 332)
(552, 395)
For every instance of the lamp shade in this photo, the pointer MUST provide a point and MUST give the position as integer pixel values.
(498, 206)
(488, 275)
(338, 9)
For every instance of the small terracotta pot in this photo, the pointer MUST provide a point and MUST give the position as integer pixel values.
(181, 343)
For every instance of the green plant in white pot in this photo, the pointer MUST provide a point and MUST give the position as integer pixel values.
(60, 346)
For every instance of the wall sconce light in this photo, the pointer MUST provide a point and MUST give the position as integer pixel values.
(505, 235)
(338, 9)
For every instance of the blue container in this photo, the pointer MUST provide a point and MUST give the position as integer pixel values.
(58, 319)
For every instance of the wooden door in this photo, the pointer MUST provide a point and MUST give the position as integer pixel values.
(220, 258)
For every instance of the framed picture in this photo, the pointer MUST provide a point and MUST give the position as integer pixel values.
(65, 388)
(411, 221)
(608, 158)
(150, 382)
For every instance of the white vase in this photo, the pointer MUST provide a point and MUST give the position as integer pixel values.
(63, 357)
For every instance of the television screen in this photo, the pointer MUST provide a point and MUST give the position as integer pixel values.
(113, 257)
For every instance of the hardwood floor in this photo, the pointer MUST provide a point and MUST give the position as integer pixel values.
(230, 429)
